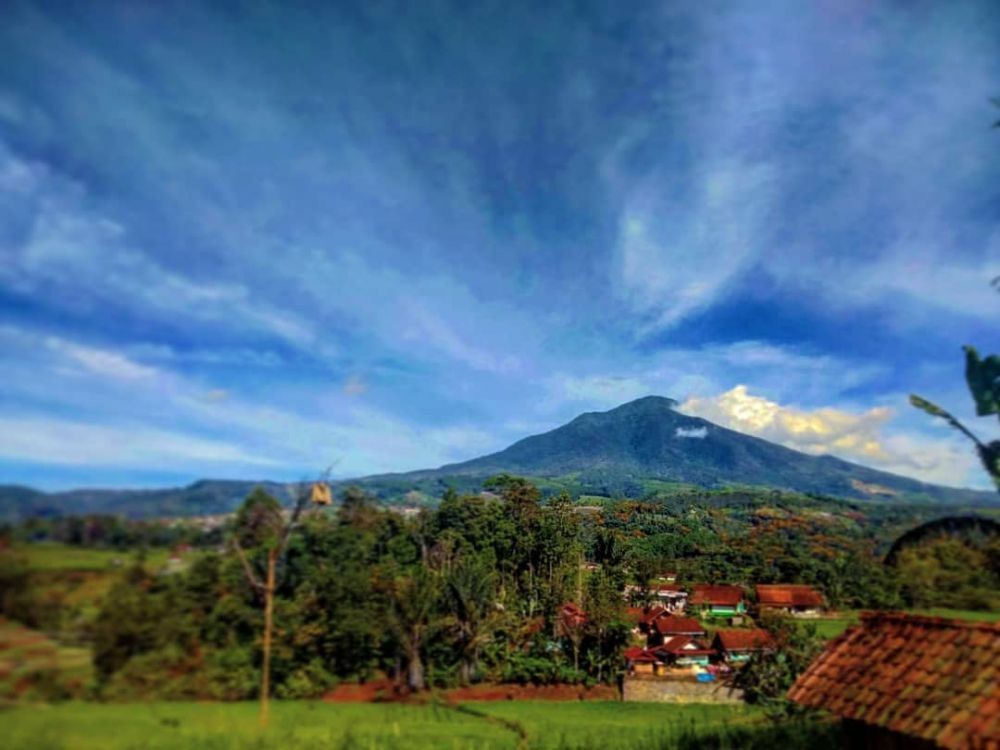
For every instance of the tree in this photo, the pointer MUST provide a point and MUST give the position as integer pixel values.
(260, 525)
(767, 676)
(983, 379)
(470, 590)
(414, 600)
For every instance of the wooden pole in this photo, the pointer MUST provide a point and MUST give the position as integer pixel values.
(265, 677)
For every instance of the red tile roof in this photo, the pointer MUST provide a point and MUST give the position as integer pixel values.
(652, 613)
(743, 640)
(788, 595)
(927, 677)
(672, 587)
(674, 625)
(678, 646)
(722, 595)
(639, 654)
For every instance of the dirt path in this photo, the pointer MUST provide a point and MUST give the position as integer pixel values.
(509, 724)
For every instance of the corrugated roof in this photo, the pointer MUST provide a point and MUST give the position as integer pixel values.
(927, 677)
(721, 595)
(788, 595)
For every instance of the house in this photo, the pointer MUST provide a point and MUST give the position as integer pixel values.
(905, 681)
(670, 595)
(666, 625)
(736, 646)
(639, 660)
(797, 600)
(717, 600)
(667, 577)
(683, 652)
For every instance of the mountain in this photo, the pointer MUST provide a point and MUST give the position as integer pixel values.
(646, 441)
(637, 447)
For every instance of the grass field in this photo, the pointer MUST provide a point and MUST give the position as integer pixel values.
(304, 726)
(28, 658)
(58, 557)
(831, 627)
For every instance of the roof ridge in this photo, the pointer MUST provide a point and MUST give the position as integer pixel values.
(932, 620)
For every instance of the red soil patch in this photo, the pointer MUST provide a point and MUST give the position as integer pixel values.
(375, 691)
(490, 692)
(384, 690)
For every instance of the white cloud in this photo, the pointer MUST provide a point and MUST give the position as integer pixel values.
(59, 441)
(675, 258)
(101, 361)
(863, 437)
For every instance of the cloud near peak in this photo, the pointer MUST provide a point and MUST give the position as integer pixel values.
(861, 437)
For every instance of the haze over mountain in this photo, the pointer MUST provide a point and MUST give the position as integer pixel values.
(639, 446)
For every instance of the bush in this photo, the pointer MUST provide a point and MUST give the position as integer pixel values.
(310, 681)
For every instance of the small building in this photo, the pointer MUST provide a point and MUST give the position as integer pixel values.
(797, 600)
(711, 600)
(670, 596)
(683, 652)
(667, 625)
(910, 682)
(738, 645)
(639, 660)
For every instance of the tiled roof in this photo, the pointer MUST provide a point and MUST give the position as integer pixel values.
(672, 624)
(744, 640)
(652, 613)
(927, 677)
(639, 654)
(788, 595)
(723, 596)
(681, 645)
(673, 587)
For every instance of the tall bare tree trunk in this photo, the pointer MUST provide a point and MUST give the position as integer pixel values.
(265, 675)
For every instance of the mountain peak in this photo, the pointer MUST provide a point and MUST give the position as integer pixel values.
(648, 402)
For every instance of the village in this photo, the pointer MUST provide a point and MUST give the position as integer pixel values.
(700, 633)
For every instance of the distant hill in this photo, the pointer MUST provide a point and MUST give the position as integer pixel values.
(203, 498)
(642, 446)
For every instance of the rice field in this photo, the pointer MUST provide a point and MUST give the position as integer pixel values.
(306, 725)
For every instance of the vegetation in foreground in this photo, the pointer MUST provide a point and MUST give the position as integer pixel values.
(305, 725)
(471, 591)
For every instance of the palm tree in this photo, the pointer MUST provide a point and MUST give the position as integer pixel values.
(470, 590)
(414, 602)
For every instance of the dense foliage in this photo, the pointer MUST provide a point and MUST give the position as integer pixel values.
(475, 589)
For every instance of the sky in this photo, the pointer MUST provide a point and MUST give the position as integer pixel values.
(253, 240)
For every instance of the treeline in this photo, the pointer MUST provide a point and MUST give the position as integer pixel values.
(470, 591)
(106, 531)
(475, 589)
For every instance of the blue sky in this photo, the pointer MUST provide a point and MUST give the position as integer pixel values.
(247, 240)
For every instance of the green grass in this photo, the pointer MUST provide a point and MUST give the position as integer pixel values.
(304, 726)
(831, 627)
(48, 556)
(614, 724)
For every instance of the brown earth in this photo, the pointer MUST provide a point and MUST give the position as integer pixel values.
(382, 690)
